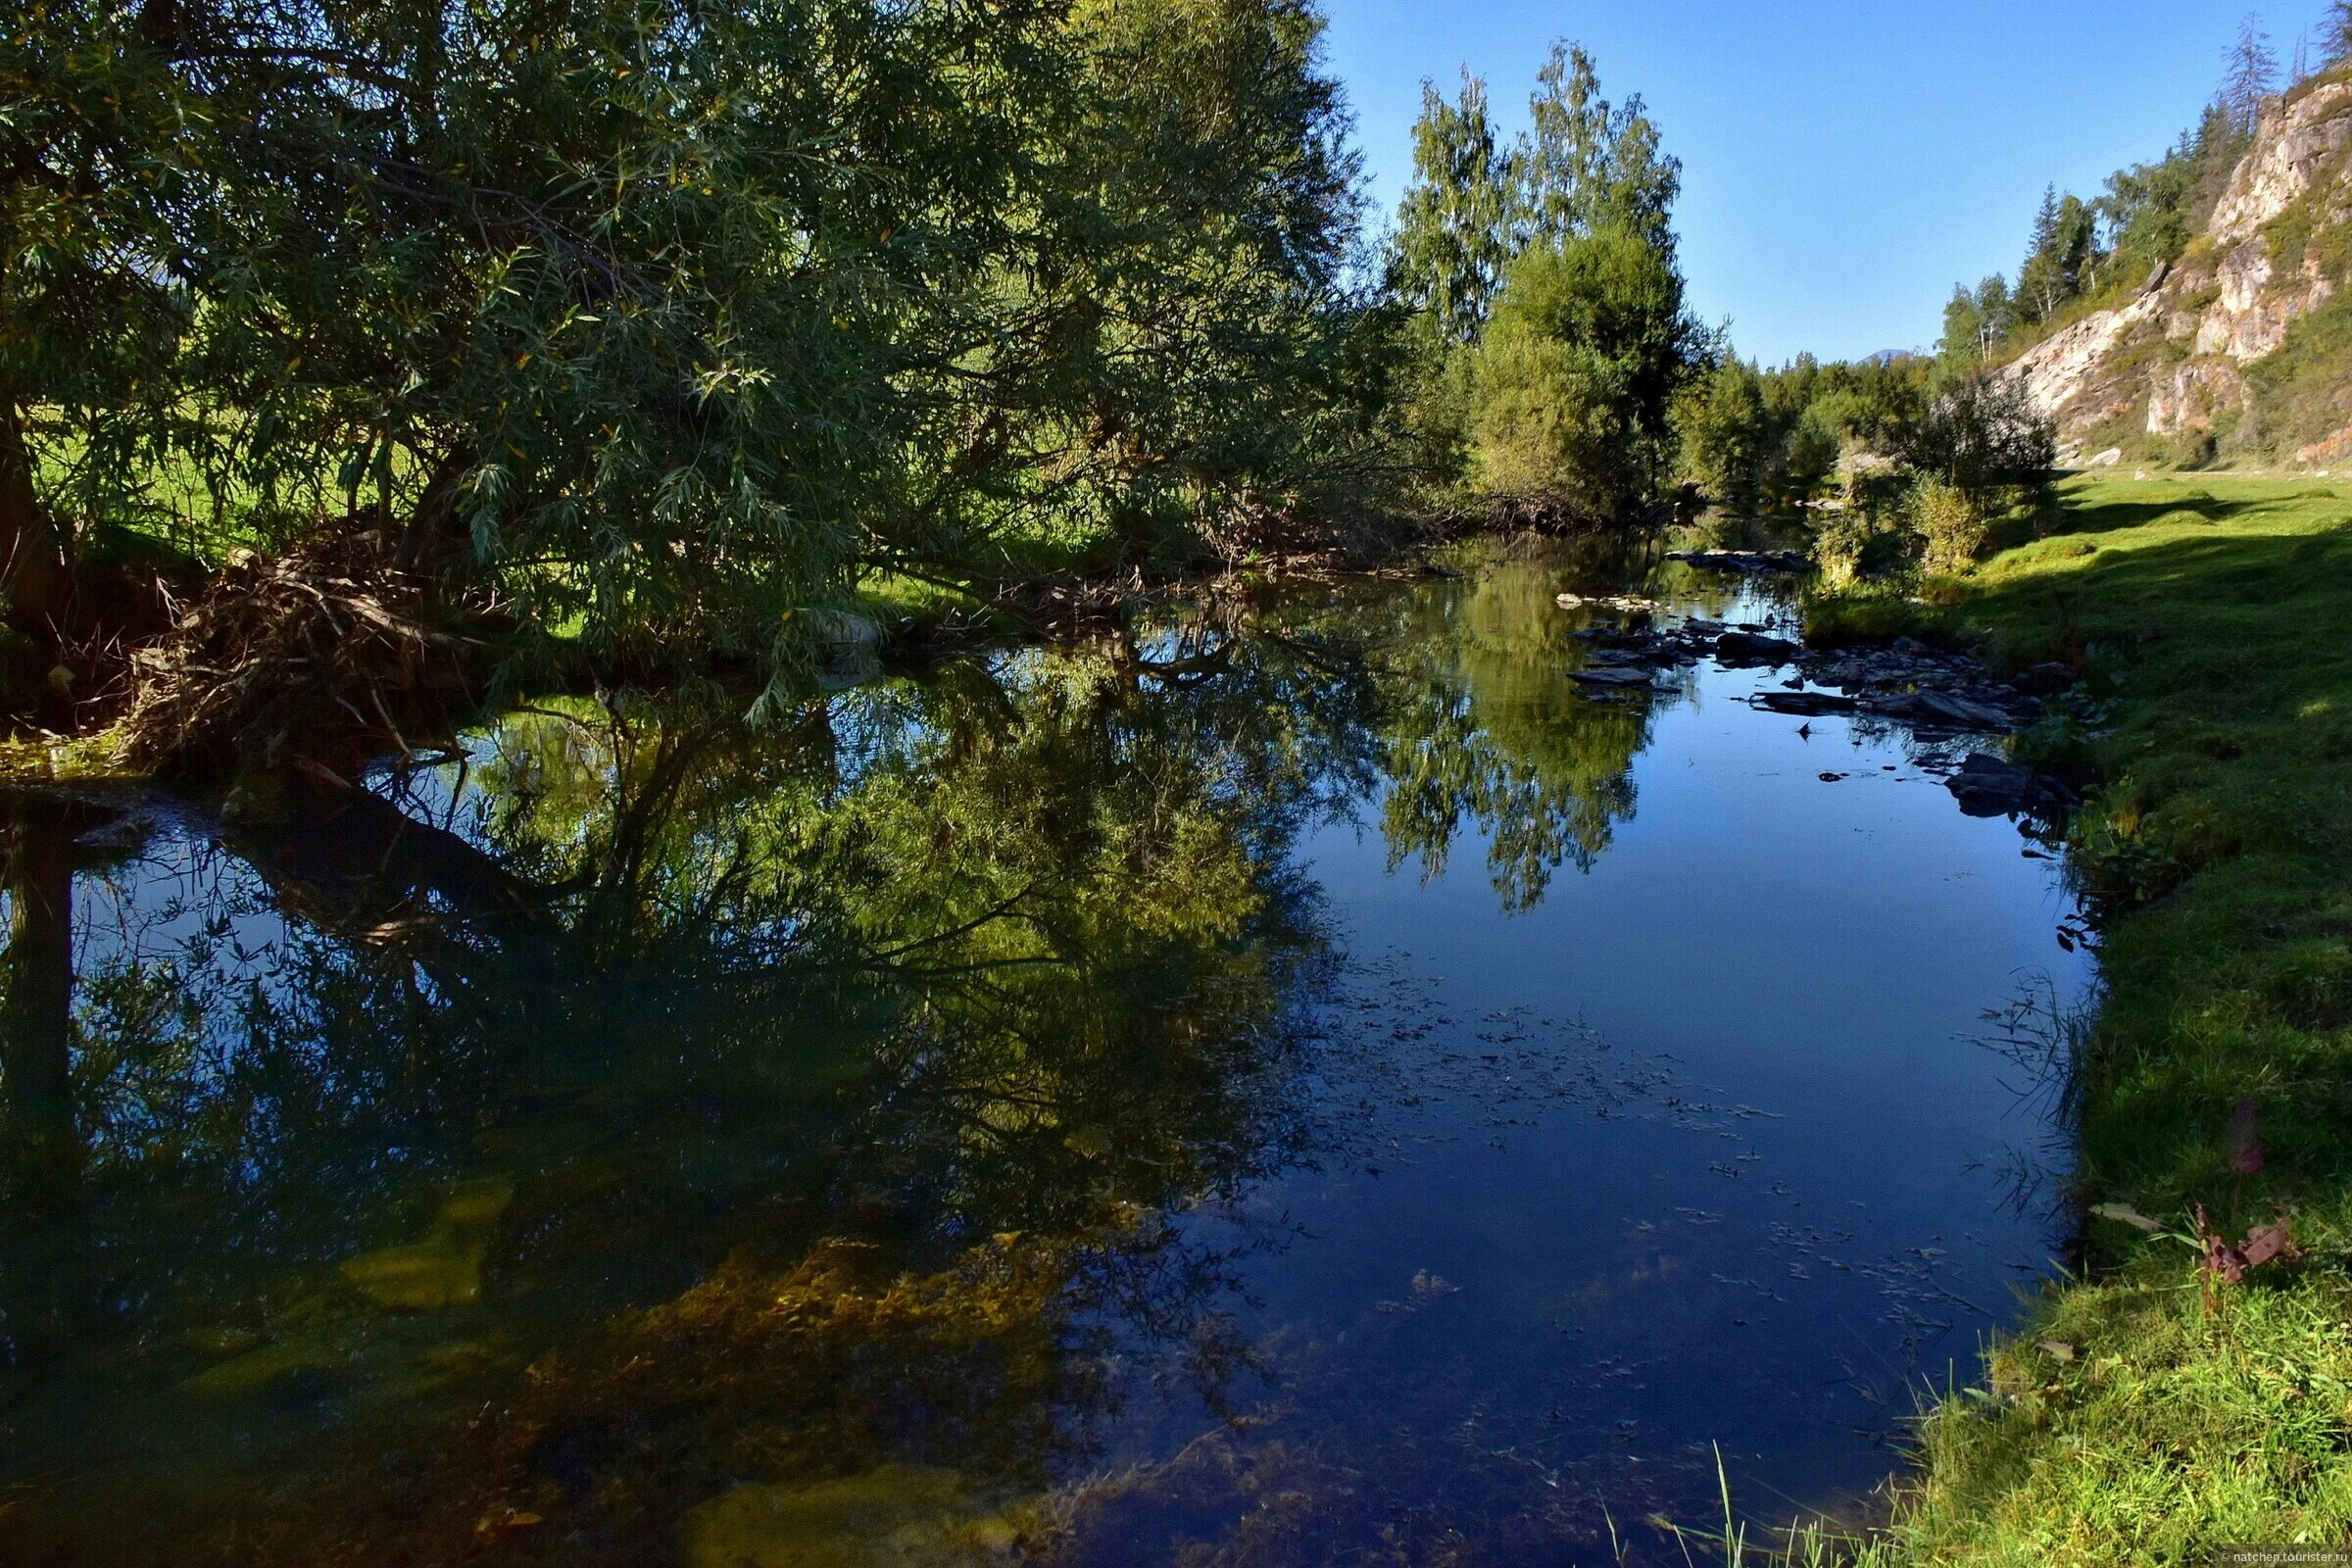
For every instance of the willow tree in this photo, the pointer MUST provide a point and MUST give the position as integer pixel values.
(102, 149)
(603, 311)
(1201, 262)
(1578, 373)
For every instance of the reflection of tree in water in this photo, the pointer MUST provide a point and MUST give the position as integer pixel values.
(789, 1102)
(502, 1164)
(1482, 724)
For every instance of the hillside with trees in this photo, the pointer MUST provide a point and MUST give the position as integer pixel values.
(2194, 310)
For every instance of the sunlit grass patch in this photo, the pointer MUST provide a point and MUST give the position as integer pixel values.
(2153, 1410)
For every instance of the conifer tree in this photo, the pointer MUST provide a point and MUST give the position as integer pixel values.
(2252, 74)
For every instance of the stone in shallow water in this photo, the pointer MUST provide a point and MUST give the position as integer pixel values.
(1809, 703)
(445, 1270)
(258, 1370)
(421, 1277)
(1751, 648)
(898, 1516)
(1631, 677)
(1988, 786)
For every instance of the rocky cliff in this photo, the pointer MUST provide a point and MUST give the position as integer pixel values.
(2193, 363)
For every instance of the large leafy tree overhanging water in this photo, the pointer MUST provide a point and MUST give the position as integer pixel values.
(662, 321)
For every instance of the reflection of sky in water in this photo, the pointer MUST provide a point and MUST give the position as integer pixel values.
(1670, 1130)
(1705, 1146)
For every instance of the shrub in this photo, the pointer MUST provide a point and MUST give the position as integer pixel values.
(1840, 544)
(1951, 529)
(1588, 344)
(1983, 436)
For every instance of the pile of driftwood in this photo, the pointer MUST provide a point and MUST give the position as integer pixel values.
(320, 655)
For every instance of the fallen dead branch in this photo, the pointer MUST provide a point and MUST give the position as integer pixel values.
(315, 655)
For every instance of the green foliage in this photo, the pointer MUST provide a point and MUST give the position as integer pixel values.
(1211, 364)
(1452, 230)
(1727, 437)
(1949, 526)
(1982, 435)
(2061, 261)
(1586, 165)
(2080, 254)
(1577, 372)
(1752, 437)
(1848, 543)
(1976, 319)
(2302, 390)
(1549, 332)
(665, 323)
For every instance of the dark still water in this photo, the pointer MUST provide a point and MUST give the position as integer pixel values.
(1303, 1087)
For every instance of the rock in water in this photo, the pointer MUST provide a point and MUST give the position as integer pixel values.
(1810, 703)
(1617, 678)
(2044, 680)
(1948, 708)
(422, 1277)
(1752, 648)
(445, 1270)
(1744, 559)
(1988, 786)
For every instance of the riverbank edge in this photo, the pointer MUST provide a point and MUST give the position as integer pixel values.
(887, 626)
(2148, 1408)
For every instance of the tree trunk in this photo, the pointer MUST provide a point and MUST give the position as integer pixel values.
(36, 988)
(46, 1249)
(33, 560)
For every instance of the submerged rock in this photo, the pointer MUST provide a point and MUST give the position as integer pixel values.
(1625, 602)
(258, 1371)
(897, 1516)
(445, 1268)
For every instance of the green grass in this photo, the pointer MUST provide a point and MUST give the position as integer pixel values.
(2211, 617)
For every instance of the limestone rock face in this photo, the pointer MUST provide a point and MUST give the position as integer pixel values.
(2173, 359)
(2062, 367)
(2296, 146)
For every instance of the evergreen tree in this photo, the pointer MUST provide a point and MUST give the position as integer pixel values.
(2336, 34)
(2251, 74)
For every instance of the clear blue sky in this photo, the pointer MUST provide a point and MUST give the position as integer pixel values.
(1845, 162)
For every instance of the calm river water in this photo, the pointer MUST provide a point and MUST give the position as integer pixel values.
(1301, 1086)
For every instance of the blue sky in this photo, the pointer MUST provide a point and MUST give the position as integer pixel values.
(1845, 162)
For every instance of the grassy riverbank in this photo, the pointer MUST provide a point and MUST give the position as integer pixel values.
(2150, 1411)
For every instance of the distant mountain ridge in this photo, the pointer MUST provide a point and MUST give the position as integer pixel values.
(2243, 347)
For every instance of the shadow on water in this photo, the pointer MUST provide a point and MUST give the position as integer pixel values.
(958, 1126)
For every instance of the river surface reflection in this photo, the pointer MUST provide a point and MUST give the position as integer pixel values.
(1301, 1085)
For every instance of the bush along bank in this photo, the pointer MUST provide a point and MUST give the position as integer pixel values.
(2191, 1384)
